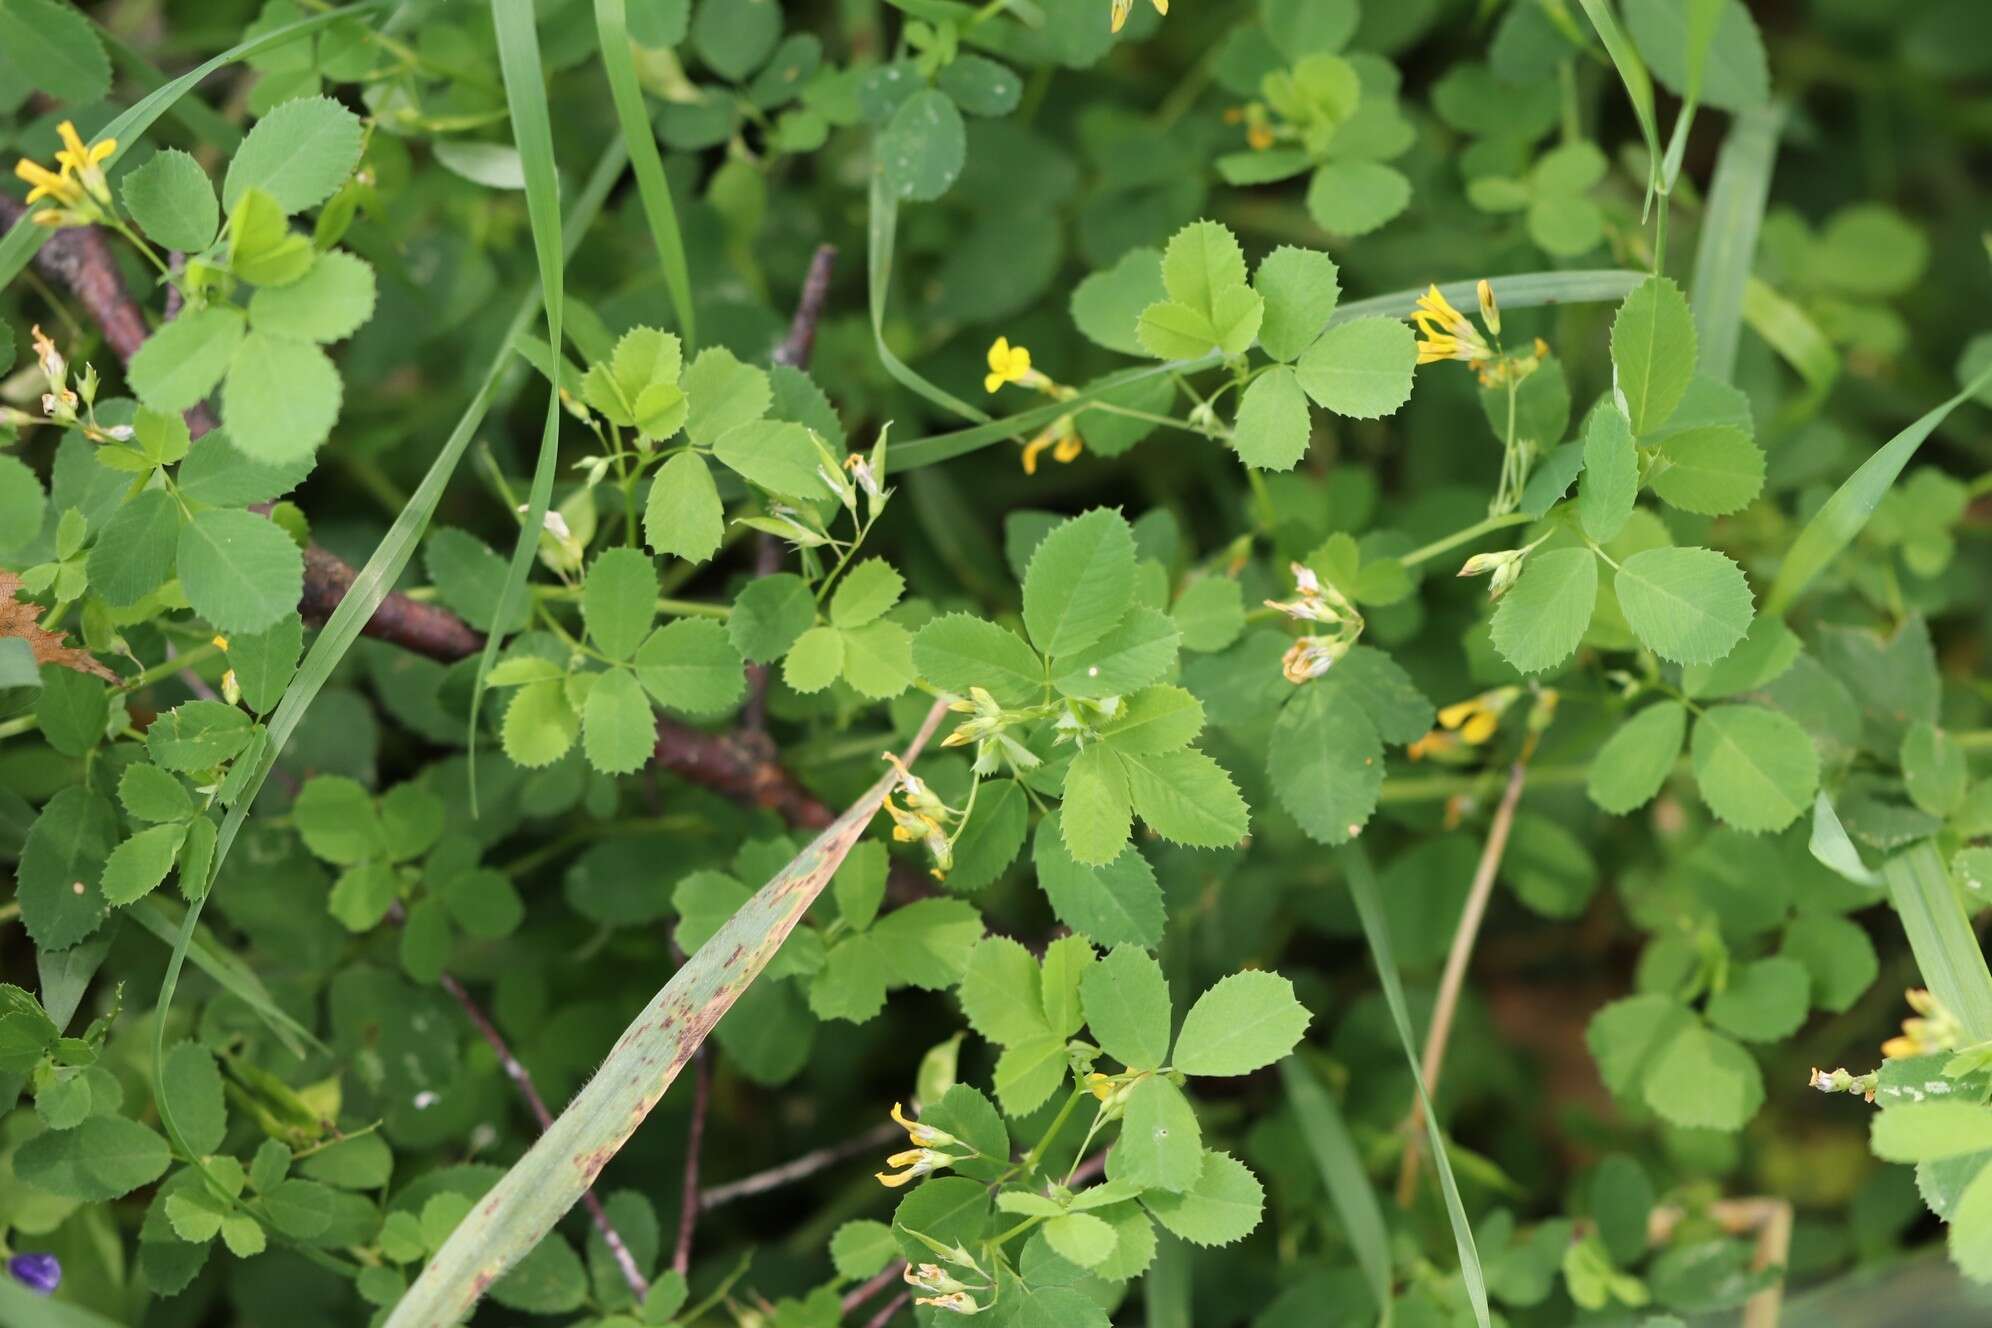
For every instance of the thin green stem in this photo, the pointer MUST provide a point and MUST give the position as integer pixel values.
(1459, 537)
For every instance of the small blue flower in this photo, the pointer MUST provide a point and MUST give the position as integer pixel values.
(37, 1272)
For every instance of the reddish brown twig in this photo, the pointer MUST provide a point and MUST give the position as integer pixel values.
(688, 1209)
(800, 1168)
(522, 1080)
(1453, 980)
(884, 1316)
(864, 1291)
(796, 348)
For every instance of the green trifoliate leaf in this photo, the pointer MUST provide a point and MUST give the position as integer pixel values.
(1688, 605)
(1702, 1080)
(1161, 1144)
(691, 666)
(617, 729)
(1223, 1205)
(1712, 470)
(1245, 1022)
(137, 866)
(1119, 903)
(1653, 352)
(539, 725)
(1273, 428)
(280, 399)
(1081, 1239)
(619, 601)
(240, 571)
(771, 612)
(683, 514)
(1097, 813)
(960, 651)
(990, 841)
(198, 735)
(1139, 650)
(1611, 475)
(1361, 369)
(1154, 720)
(1029, 1072)
(1764, 1000)
(866, 591)
(1356, 197)
(927, 943)
(1080, 582)
(878, 659)
(1933, 768)
(1126, 1000)
(999, 992)
(72, 709)
(775, 456)
(1326, 763)
(299, 154)
(172, 200)
(1107, 306)
(721, 393)
(815, 661)
(150, 794)
(1636, 760)
(181, 362)
(330, 302)
(1202, 260)
(1756, 767)
(1301, 288)
(1539, 623)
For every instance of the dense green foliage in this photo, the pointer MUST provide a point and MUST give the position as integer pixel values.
(1085, 408)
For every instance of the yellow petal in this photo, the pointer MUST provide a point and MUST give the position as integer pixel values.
(1481, 727)
(1458, 713)
(999, 355)
(893, 1181)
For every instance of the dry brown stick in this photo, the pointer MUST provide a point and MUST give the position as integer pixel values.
(800, 1168)
(884, 1316)
(1454, 978)
(522, 1079)
(858, 1295)
(688, 1202)
(796, 348)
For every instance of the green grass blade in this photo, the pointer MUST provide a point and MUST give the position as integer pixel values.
(1833, 527)
(1342, 1175)
(612, 28)
(1638, 83)
(370, 586)
(160, 918)
(532, 131)
(1729, 229)
(1795, 337)
(25, 240)
(1166, 1286)
(22, 1308)
(880, 237)
(1376, 929)
(1526, 291)
(200, 119)
(564, 1161)
(1941, 936)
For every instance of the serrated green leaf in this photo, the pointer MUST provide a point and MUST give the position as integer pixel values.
(1222, 1207)
(1688, 605)
(683, 514)
(1653, 352)
(1756, 767)
(1126, 1000)
(1636, 760)
(1611, 475)
(1360, 369)
(691, 666)
(619, 601)
(1243, 1023)
(1539, 622)
(239, 571)
(1080, 582)
(1273, 427)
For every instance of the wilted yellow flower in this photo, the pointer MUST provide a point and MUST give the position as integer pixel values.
(1477, 717)
(85, 161)
(1121, 9)
(47, 183)
(1935, 1029)
(917, 1162)
(1061, 437)
(924, 1136)
(1449, 334)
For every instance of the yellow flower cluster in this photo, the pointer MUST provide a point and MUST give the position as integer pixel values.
(1012, 364)
(78, 187)
(1122, 8)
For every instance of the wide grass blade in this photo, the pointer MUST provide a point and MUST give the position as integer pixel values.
(1794, 336)
(1526, 291)
(1376, 929)
(1941, 936)
(1166, 1286)
(200, 119)
(1833, 527)
(612, 29)
(1342, 1175)
(1729, 229)
(25, 240)
(564, 1161)
(532, 133)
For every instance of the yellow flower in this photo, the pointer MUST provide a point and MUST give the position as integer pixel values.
(1061, 437)
(917, 1162)
(1448, 333)
(1476, 718)
(1936, 1030)
(1099, 1085)
(78, 157)
(48, 184)
(924, 1136)
(1121, 8)
(1436, 743)
(1007, 364)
